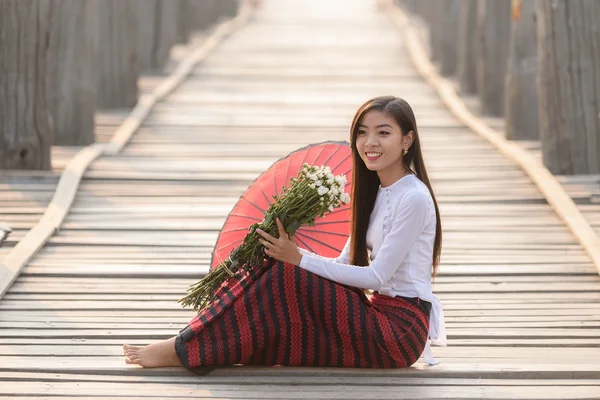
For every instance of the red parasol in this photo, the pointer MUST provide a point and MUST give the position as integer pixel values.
(330, 233)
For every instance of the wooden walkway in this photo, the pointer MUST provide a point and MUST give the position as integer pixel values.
(521, 297)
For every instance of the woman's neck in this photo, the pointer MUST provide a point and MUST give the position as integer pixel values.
(388, 179)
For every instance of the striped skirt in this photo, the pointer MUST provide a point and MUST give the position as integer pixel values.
(285, 315)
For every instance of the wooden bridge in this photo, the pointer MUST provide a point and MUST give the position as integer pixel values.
(520, 292)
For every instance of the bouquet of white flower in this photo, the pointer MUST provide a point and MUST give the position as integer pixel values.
(311, 194)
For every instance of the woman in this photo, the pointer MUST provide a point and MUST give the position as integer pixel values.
(309, 310)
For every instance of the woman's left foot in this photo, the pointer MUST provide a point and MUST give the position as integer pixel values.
(160, 354)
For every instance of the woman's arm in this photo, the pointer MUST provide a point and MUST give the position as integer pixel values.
(343, 258)
(406, 227)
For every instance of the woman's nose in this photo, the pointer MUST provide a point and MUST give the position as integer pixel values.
(371, 141)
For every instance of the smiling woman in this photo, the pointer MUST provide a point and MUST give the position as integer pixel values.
(304, 309)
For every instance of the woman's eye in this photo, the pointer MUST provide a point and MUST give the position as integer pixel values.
(384, 133)
(361, 132)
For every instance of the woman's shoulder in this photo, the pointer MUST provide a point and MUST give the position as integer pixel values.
(414, 191)
(415, 196)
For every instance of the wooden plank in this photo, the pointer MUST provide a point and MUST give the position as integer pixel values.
(450, 368)
(274, 392)
(274, 378)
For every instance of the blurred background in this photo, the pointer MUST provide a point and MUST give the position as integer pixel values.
(534, 63)
(65, 60)
(72, 71)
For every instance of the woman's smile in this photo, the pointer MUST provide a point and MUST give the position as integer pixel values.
(372, 156)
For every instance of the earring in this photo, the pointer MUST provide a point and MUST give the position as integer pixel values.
(404, 151)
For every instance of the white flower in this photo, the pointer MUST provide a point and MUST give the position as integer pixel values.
(330, 181)
(345, 198)
(320, 174)
(319, 183)
(335, 190)
(327, 169)
(331, 208)
(313, 177)
(322, 190)
(341, 180)
(312, 186)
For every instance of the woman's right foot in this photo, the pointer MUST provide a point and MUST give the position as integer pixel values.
(159, 354)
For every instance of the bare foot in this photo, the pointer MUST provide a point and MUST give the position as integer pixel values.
(159, 354)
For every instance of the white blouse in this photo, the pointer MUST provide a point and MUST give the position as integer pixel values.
(400, 238)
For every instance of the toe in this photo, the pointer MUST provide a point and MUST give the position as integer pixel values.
(132, 360)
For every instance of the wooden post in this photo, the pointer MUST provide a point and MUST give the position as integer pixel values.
(433, 16)
(569, 85)
(159, 24)
(118, 53)
(466, 69)
(420, 7)
(521, 87)
(167, 17)
(448, 19)
(146, 14)
(197, 15)
(493, 32)
(227, 8)
(26, 131)
(72, 83)
(408, 5)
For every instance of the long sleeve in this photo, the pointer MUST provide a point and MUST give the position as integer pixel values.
(410, 218)
(343, 258)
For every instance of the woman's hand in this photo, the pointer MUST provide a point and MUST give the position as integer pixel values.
(282, 249)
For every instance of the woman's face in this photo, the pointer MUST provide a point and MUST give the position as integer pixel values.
(379, 142)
